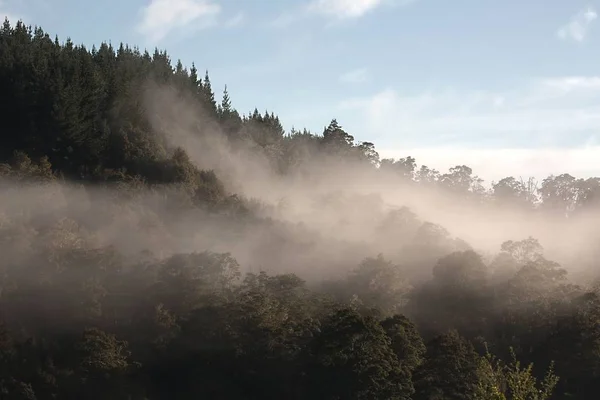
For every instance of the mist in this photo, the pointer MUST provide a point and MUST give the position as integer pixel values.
(337, 202)
(318, 221)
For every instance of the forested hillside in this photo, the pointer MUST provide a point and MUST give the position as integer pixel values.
(158, 244)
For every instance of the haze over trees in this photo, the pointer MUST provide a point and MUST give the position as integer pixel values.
(158, 244)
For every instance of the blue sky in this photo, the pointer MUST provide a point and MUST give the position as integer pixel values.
(501, 85)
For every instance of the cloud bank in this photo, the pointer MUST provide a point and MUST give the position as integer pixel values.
(160, 18)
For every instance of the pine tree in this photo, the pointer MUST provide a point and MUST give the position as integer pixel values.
(195, 83)
(226, 102)
(209, 96)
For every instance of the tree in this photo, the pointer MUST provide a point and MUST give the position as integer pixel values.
(406, 343)
(427, 176)
(367, 151)
(458, 296)
(379, 283)
(226, 102)
(513, 255)
(574, 342)
(512, 382)
(560, 193)
(589, 194)
(404, 167)
(352, 359)
(450, 371)
(208, 94)
(103, 362)
(186, 281)
(512, 192)
(523, 251)
(336, 140)
(459, 179)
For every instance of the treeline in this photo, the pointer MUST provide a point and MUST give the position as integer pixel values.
(95, 325)
(83, 318)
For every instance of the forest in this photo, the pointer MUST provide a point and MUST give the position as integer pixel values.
(156, 243)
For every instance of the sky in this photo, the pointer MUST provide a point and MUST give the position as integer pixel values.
(507, 87)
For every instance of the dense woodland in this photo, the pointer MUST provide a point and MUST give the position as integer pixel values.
(133, 267)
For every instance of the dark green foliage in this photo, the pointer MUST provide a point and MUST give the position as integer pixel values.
(82, 110)
(450, 370)
(354, 359)
(406, 341)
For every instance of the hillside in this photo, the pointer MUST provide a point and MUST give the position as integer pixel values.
(157, 243)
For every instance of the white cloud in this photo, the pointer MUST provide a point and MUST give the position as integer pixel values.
(579, 25)
(356, 76)
(345, 9)
(336, 10)
(235, 21)
(161, 17)
(546, 113)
